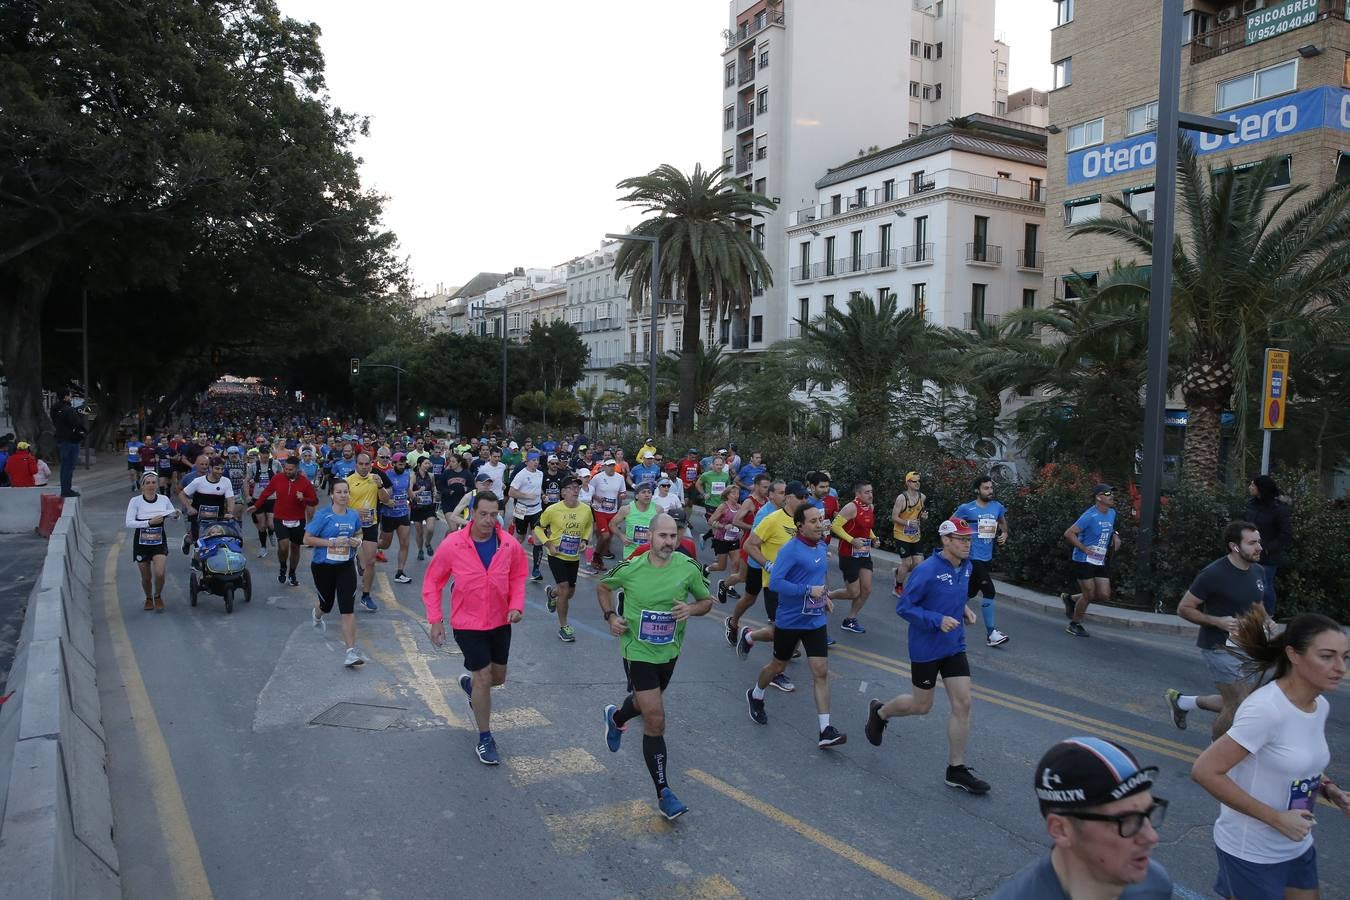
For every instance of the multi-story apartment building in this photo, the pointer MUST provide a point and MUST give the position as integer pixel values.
(1279, 70)
(484, 309)
(807, 84)
(597, 306)
(950, 222)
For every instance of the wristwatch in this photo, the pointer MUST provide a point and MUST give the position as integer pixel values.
(608, 613)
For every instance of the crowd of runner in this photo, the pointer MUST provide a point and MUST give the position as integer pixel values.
(489, 512)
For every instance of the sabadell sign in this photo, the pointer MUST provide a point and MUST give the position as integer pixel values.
(1322, 107)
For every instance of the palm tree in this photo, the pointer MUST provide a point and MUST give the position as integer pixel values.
(708, 257)
(714, 370)
(876, 350)
(1248, 266)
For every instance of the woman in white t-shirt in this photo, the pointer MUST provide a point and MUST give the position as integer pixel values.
(146, 514)
(1268, 770)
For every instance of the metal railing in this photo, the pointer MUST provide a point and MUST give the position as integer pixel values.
(1233, 35)
(972, 320)
(743, 162)
(800, 273)
(750, 29)
(728, 122)
(946, 179)
(882, 259)
(984, 254)
(745, 120)
(1031, 259)
(794, 330)
(916, 254)
(762, 152)
(746, 74)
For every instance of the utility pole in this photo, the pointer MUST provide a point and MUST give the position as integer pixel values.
(655, 241)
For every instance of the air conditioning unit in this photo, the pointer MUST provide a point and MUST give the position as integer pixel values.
(1228, 14)
(1253, 5)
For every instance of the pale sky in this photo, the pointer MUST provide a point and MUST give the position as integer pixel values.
(498, 132)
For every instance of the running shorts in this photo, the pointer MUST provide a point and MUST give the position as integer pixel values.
(422, 513)
(785, 641)
(483, 647)
(648, 676)
(720, 546)
(851, 567)
(390, 524)
(293, 533)
(981, 579)
(602, 521)
(925, 674)
(754, 580)
(526, 524)
(335, 581)
(1086, 571)
(564, 570)
(904, 548)
(371, 533)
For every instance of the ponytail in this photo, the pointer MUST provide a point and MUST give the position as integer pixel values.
(1258, 639)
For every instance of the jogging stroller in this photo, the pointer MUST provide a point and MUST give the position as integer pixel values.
(218, 564)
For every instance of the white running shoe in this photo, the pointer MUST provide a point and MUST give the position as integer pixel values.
(996, 638)
(353, 658)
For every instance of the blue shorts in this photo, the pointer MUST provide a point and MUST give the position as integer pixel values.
(1264, 881)
(1224, 667)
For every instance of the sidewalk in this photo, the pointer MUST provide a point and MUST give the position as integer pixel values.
(1158, 623)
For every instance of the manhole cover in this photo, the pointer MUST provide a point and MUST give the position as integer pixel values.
(365, 716)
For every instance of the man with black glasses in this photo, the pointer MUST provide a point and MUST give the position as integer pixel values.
(1101, 814)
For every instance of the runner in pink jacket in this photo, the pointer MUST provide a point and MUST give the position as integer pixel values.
(488, 596)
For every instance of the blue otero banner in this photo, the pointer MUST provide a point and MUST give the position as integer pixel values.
(1322, 107)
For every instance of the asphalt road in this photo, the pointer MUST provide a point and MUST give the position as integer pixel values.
(21, 557)
(222, 785)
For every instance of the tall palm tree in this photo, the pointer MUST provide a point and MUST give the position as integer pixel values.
(714, 370)
(708, 256)
(1248, 265)
(876, 350)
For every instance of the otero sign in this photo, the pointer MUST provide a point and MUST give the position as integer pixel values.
(1276, 20)
(1321, 107)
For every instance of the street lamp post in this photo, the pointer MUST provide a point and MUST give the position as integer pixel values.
(1170, 122)
(655, 241)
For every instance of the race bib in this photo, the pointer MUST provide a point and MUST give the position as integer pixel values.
(338, 554)
(716, 488)
(987, 529)
(656, 627)
(569, 545)
(1096, 556)
(607, 504)
(911, 528)
(291, 523)
(367, 516)
(437, 469)
(814, 606)
(553, 494)
(400, 497)
(731, 532)
(1303, 793)
(211, 511)
(865, 551)
(641, 533)
(152, 536)
(423, 498)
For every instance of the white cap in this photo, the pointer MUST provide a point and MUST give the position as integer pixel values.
(609, 462)
(649, 455)
(583, 473)
(515, 446)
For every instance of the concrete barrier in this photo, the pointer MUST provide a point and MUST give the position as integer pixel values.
(20, 508)
(56, 827)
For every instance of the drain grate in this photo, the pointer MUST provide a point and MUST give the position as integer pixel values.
(362, 716)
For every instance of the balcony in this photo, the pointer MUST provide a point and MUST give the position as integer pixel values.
(973, 320)
(750, 29)
(743, 161)
(916, 255)
(746, 74)
(794, 330)
(1031, 260)
(982, 254)
(932, 182)
(1233, 35)
(800, 274)
(745, 120)
(882, 259)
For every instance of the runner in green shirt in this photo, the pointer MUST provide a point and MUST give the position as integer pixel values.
(635, 519)
(649, 621)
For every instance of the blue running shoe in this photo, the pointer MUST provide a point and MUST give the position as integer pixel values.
(487, 751)
(466, 685)
(671, 807)
(613, 733)
(853, 625)
(368, 603)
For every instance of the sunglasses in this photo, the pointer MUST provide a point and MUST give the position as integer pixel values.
(1127, 824)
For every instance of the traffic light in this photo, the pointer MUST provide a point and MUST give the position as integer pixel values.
(356, 366)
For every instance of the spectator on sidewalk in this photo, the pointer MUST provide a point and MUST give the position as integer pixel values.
(22, 467)
(70, 432)
(44, 473)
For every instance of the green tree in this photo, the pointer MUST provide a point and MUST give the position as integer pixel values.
(762, 399)
(708, 257)
(877, 351)
(1248, 267)
(555, 356)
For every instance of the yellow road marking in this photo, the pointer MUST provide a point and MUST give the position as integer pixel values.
(714, 887)
(558, 764)
(573, 833)
(517, 717)
(185, 859)
(816, 836)
(423, 683)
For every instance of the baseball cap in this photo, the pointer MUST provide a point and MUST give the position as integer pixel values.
(912, 476)
(677, 513)
(552, 457)
(649, 455)
(23, 445)
(1088, 771)
(664, 480)
(796, 489)
(515, 446)
(609, 461)
(957, 527)
(693, 449)
(643, 486)
(533, 454)
(583, 473)
(482, 476)
(1101, 488)
(399, 457)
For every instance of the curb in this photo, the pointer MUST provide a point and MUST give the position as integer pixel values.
(56, 826)
(1115, 617)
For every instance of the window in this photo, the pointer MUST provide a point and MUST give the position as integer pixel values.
(884, 236)
(928, 92)
(726, 159)
(1028, 298)
(763, 102)
(914, 90)
(1141, 202)
(856, 250)
(632, 342)
(883, 294)
(804, 310)
(1079, 211)
(761, 146)
(917, 183)
(829, 255)
(1001, 106)
(937, 50)
(679, 342)
(1281, 178)
(980, 238)
(920, 233)
(977, 292)
(888, 190)
(1031, 238)
(1343, 168)
(726, 331)
(729, 118)
(1345, 76)
(661, 341)
(829, 304)
(1086, 134)
(860, 197)
(763, 56)
(731, 74)
(917, 294)
(836, 204)
(762, 186)
(759, 236)
(1035, 190)
(804, 257)
(757, 329)
(1063, 12)
(937, 9)
(854, 297)
(1258, 85)
(914, 48)
(1139, 119)
(927, 51)
(1063, 73)
(1193, 24)
(937, 91)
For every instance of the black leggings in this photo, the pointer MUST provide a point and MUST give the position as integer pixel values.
(335, 581)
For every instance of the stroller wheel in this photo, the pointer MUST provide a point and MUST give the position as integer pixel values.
(229, 600)
(194, 587)
(248, 587)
